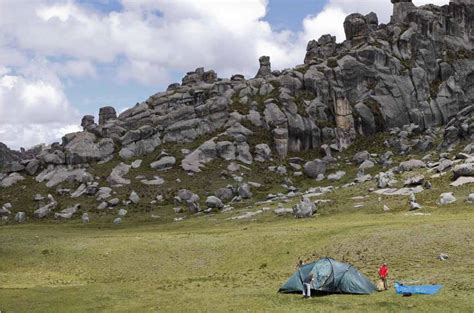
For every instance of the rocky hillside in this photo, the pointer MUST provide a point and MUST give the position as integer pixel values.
(396, 82)
(7, 156)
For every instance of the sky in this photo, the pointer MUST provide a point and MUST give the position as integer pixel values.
(62, 59)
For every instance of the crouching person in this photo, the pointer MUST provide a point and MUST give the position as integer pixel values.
(307, 285)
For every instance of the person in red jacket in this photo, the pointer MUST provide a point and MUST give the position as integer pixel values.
(383, 273)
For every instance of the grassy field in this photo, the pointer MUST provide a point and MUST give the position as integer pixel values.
(208, 263)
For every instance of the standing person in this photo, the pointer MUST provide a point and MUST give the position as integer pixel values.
(307, 285)
(383, 273)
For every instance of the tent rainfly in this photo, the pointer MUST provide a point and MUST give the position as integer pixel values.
(330, 276)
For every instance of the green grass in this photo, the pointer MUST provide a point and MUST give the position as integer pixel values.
(210, 264)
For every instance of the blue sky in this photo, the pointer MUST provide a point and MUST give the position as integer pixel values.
(62, 59)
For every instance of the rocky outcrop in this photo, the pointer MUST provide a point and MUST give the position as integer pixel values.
(416, 70)
(7, 155)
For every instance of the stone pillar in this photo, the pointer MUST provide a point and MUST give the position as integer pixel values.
(106, 114)
(265, 67)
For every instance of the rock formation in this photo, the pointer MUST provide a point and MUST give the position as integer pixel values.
(7, 155)
(418, 69)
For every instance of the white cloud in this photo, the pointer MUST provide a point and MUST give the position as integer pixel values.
(33, 110)
(75, 68)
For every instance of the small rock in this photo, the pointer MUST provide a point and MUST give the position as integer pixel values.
(386, 208)
(4, 211)
(113, 202)
(244, 191)
(366, 165)
(67, 213)
(122, 212)
(304, 209)
(283, 211)
(214, 203)
(414, 181)
(85, 218)
(470, 198)
(102, 206)
(361, 156)
(460, 181)
(20, 217)
(314, 168)
(443, 256)
(446, 198)
(164, 163)
(336, 176)
(136, 164)
(118, 220)
(134, 197)
(411, 165)
(414, 206)
(464, 170)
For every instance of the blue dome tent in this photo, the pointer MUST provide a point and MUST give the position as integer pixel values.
(330, 276)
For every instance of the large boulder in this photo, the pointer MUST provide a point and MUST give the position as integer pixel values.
(411, 165)
(84, 148)
(304, 209)
(11, 180)
(67, 213)
(243, 153)
(164, 163)
(205, 153)
(145, 143)
(463, 170)
(360, 157)
(226, 150)
(314, 168)
(32, 167)
(262, 152)
(190, 199)
(446, 198)
(213, 202)
(60, 174)
(116, 177)
(44, 211)
(244, 191)
(225, 193)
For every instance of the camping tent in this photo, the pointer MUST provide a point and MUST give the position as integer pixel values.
(329, 276)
